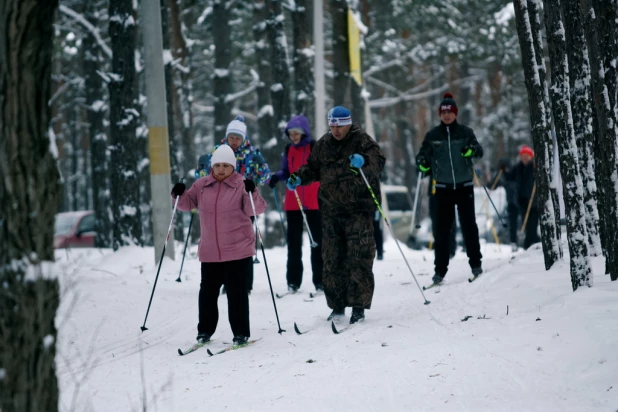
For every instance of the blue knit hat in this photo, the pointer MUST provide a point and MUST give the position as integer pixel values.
(339, 116)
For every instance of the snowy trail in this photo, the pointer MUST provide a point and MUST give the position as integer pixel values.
(405, 356)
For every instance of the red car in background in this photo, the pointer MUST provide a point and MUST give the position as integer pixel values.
(74, 229)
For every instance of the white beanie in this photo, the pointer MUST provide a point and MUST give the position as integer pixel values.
(236, 127)
(224, 154)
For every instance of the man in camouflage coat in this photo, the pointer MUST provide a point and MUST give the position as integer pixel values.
(348, 246)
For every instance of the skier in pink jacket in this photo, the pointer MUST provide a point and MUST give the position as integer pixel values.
(224, 207)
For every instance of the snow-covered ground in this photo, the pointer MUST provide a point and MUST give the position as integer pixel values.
(529, 344)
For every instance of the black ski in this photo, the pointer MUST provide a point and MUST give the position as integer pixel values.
(298, 330)
(340, 330)
(192, 348)
(316, 294)
(233, 347)
(432, 286)
(473, 278)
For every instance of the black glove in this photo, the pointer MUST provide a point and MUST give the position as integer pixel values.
(274, 179)
(179, 189)
(503, 165)
(468, 151)
(249, 185)
(422, 161)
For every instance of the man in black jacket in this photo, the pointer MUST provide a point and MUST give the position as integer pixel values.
(447, 151)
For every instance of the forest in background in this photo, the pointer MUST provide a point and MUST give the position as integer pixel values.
(411, 51)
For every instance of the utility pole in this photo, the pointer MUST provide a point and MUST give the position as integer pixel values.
(318, 68)
(158, 140)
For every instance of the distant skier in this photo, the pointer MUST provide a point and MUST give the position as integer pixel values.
(295, 155)
(347, 208)
(447, 151)
(222, 200)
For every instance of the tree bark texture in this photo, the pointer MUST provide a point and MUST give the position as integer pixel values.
(222, 83)
(280, 89)
(583, 116)
(303, 72)
(29, 196)
(569, 162)
(540, 135)
(97, 132)
(266, 121)
(341, 63)
(537, 41)
(124, 116)
(600, 30)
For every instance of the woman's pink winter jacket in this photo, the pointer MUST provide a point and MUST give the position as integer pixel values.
(224, 207)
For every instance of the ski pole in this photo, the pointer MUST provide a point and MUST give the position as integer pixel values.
(300, 205)
(272, 294)
(523, 226)
(280, 215)
(184, 252)
(418, 187)
(392, 234)
(169, 230)
(489, 197)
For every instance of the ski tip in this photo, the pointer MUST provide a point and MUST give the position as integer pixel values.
(296, 329)
(180, 352)
(278, 296)
(333, 327)
(209, 352)
(425, 288)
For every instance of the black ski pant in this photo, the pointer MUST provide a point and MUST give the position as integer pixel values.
(294, 273)
(232, 274)
(531, 236)
(446, 200)
(378, 235)
(433, 215)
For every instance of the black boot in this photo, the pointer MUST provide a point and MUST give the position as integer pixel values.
(358, 314)
(336, 314)
(240, 340)
(203, 337)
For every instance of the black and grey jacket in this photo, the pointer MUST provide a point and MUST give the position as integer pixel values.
(442, 148)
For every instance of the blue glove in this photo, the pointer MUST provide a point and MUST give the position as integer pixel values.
(293, 182)
(357, 161)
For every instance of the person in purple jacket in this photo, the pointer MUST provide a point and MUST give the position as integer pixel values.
(222, 200)
(295, 155)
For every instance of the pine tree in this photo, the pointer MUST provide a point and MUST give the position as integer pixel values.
(540, 133)
(567, 146)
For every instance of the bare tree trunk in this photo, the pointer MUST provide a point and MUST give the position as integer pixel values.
(96, 130)
(535, 25)
(222, 83)
(540, 134)
(569, 162)
(600, 31)
(280, 89)
(124, 148)
(303, 73)
(29, 196)
(583, 116)
(341, 64)
(266, 121)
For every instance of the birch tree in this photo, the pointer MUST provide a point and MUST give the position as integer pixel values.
(584, 117)
(29, 196)
(540, 134)
(567, 146)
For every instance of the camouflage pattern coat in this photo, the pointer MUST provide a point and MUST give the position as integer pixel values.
(348, 246)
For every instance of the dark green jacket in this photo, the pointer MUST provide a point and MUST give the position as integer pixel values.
(442, 148)
(341, 190)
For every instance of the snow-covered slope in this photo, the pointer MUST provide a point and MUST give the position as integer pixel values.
(554, 350)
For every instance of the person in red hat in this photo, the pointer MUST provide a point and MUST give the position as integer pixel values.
(447, 153)
(523, 176)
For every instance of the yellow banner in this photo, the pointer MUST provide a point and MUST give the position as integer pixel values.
(354, 49)
(158, 146)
